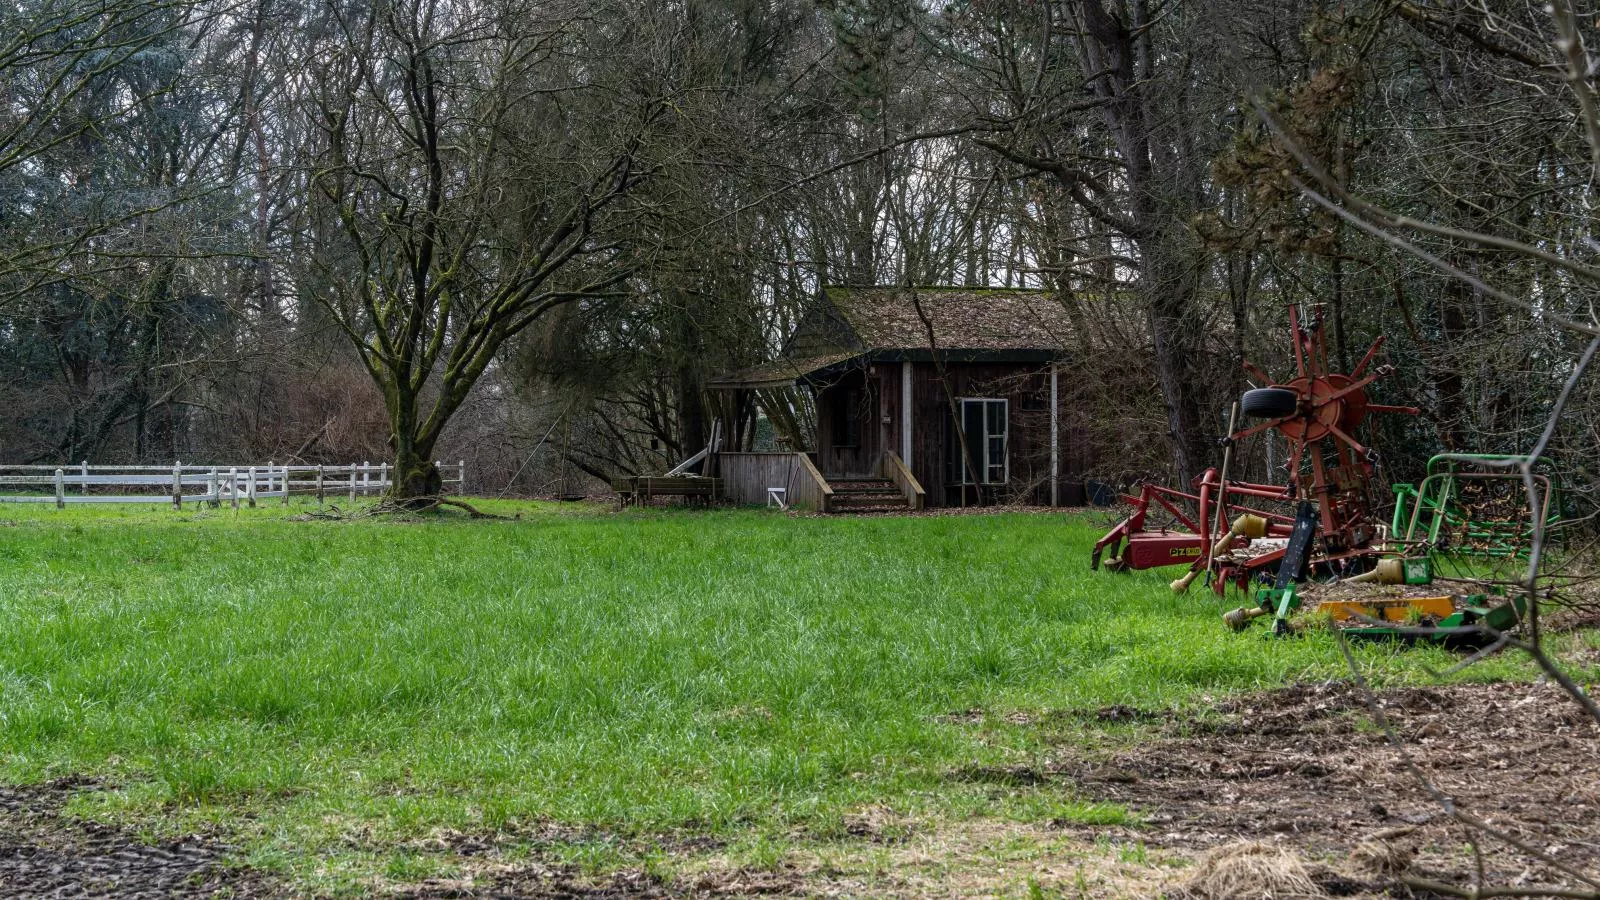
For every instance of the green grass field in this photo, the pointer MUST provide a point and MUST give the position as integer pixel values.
(330, 692)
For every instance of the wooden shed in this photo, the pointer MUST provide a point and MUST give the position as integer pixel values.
(902, 379)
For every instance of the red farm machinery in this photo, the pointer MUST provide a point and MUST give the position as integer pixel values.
(1321, 526)
(1330, 489)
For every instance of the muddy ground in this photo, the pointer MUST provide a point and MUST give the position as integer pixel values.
(1307, 767)
(46, 854)
(1302, 768)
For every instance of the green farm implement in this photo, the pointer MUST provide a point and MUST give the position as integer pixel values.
(1471, 504)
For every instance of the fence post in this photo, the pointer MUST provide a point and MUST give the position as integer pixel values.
(233, 485)
(84, 468)
(383, 476)
(269, 478)
(461, 476)
(352, 482)
(366, 478)
(285, 472)
(214, 490)
(320, 495)
(177, 485)
(61, 489)
(250, 488)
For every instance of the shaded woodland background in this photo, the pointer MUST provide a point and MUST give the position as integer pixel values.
(525, 234)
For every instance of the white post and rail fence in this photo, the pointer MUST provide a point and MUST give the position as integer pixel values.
(178, 484)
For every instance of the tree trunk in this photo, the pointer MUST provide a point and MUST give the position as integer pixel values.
(1162, 197)
(1168, 300)
(693, 432)
(1445, 363)
(417, 483)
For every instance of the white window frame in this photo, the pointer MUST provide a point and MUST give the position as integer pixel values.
(984, 441)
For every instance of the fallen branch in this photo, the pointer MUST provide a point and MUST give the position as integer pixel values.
(472, 511)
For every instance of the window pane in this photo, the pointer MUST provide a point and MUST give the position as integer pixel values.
(972, 424)
(972, 417)
(995, 415)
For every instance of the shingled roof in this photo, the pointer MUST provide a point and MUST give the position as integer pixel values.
(879, 322)
(987, 319)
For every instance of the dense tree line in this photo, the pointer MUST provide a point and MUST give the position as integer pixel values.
(527, 234)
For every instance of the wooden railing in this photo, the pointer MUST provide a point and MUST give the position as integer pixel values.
(813, 486)
(892, 467)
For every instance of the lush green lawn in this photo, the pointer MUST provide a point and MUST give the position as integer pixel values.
(324, 688)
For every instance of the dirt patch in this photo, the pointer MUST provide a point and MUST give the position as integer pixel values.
(544, 837)
(488, 869)
(878, 854)
(537, 881)
(568, 884)
(1304, 766)
(46, 854)
(982, 858)
(878, 824)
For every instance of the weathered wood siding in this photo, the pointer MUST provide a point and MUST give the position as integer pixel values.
(872, 396)
(1025, 385)
(746, 477)
(856, 395)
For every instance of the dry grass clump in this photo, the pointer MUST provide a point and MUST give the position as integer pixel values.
(1249, 870)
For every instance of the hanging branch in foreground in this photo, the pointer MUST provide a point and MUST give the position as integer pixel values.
(1383, 224)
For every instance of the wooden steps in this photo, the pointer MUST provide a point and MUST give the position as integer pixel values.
(866, 495)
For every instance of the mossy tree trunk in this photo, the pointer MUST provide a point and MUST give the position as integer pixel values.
(416, 482)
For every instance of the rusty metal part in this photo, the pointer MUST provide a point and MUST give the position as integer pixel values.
(1327, 465)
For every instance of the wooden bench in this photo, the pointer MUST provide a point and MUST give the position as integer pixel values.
(641, 488)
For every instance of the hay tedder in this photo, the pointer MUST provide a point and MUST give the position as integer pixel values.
(1317, 412)
(1321, 524)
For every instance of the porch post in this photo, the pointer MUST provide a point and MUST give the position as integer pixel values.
(905, 413)
(1055, 435)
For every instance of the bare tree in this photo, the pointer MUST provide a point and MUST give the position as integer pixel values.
(473, 164)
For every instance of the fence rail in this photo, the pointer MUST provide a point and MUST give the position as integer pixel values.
(179, 484)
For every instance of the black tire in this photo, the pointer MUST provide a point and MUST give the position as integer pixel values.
(1269, 403)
